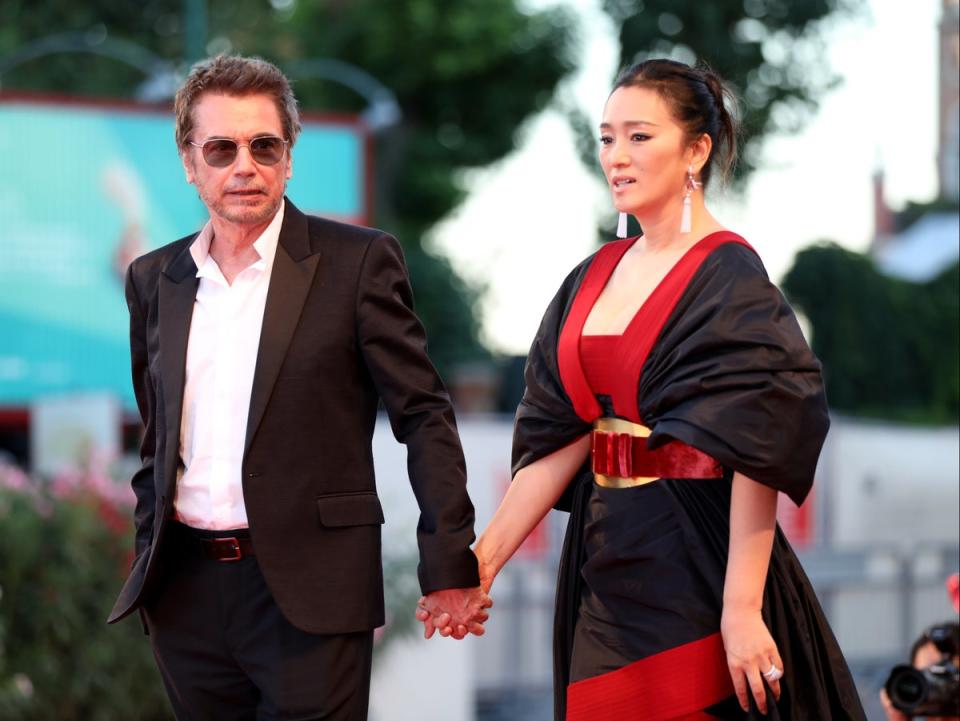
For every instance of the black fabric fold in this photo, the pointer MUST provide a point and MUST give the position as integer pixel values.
(732, 375)
(569, 590)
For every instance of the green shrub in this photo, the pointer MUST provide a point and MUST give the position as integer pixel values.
(65, 548)
(64, 551)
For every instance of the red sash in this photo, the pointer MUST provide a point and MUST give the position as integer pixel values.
(675, 684)
(639, 337)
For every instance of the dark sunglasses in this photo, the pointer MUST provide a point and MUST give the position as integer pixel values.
(221, 152)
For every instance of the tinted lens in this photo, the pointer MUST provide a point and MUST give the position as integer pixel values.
(267, 150)
(219, 153)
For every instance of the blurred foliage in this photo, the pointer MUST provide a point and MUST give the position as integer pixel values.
(65, 547)
(773, 53)
(890, 348)
(466, 75)
(61, 564)
(913, 211)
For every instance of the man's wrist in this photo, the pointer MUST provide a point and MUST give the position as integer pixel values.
(459, 571)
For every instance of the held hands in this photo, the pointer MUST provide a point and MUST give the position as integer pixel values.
(752, 656)
(454, 612)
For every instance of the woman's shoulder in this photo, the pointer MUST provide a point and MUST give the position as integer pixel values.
(733, 254)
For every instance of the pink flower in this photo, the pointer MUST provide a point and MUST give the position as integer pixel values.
(13, 478)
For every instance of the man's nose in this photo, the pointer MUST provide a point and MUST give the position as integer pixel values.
(244, 164)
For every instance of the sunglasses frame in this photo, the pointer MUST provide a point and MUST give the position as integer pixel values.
(239, 145)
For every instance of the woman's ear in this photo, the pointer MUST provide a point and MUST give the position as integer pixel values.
(700, 152)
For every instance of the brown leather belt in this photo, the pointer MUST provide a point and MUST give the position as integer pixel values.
(620, 457)
(214, 545)
(231, 548)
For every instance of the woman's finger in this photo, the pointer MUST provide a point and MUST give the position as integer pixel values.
(739, 685)
(757, 688)
(774, 683)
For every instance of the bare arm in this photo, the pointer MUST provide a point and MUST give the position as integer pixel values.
(750, 648)
(533, 492)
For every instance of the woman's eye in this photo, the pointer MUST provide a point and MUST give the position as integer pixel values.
(605, 140)
(639, 137)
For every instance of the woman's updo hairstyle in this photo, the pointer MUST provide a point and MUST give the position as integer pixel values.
(699, 101)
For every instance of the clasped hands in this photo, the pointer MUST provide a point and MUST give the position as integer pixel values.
(454, 612)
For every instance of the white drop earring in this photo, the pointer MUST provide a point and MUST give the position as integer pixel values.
(622, 226)
(686, 217)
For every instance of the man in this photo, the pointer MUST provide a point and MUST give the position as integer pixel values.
(260, 348)
(936, 645)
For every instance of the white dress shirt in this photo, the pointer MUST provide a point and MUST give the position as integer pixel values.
(221, 356)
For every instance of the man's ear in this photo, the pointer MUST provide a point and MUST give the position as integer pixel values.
(187, 161)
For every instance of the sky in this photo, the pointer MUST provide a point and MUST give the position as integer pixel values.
(530, 218)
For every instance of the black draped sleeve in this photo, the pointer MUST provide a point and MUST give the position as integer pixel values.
(732, 375)
(545, 419)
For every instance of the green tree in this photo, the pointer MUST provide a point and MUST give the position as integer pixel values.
(772, 52)
(890, 348)
(466, 76)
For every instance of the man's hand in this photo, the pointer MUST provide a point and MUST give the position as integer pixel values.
(454, 612)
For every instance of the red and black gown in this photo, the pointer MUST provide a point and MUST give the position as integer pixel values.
(714, 359)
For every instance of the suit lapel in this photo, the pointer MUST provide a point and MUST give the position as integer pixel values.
(290, 281)
(177, 292)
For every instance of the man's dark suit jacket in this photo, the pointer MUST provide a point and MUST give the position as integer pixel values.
(338, 334)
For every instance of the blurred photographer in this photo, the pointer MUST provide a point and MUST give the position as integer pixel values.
(930, 686)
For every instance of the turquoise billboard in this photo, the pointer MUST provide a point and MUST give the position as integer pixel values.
(84, 189)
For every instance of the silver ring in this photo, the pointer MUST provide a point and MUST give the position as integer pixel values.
(774, 674)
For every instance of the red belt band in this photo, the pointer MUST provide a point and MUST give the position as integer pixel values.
(626, 456)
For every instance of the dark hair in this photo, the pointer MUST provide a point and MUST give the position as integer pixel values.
(237, 76)
(945, 636)
(698, 100)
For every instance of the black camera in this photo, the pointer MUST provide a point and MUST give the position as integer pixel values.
(934, 690)
(931, 691)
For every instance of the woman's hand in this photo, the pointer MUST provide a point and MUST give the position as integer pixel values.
(751, 653)
(487, 574)
(434, 618)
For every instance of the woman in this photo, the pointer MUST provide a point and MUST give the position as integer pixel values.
(670, 397)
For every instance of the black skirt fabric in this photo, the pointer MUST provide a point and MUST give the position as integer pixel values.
(652, 567)
(648, 582)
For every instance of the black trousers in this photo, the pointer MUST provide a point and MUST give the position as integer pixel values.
(226, 652)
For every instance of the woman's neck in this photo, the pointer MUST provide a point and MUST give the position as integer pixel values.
(661, 227)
